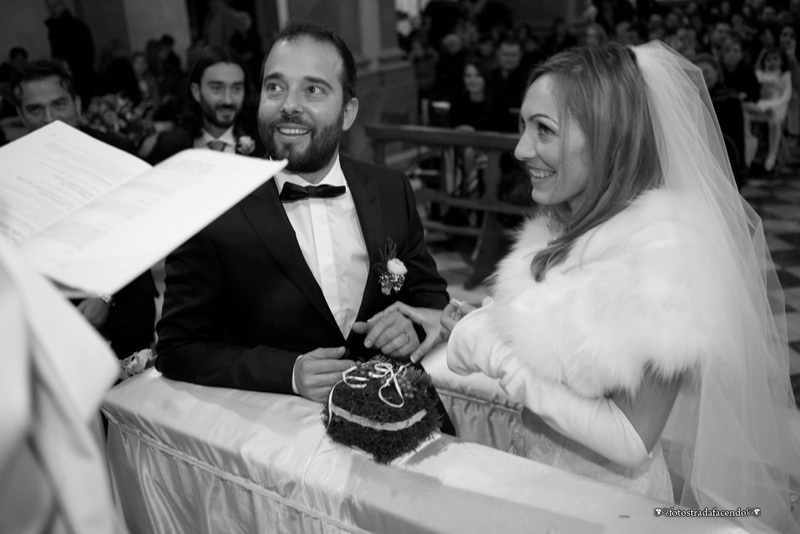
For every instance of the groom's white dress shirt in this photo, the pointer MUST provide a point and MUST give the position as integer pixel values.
(332, 243)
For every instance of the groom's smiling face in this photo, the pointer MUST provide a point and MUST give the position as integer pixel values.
(302, 112)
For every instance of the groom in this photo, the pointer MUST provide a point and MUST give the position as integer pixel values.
(277, 294)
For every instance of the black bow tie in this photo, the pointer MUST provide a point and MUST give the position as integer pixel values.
(292, 192)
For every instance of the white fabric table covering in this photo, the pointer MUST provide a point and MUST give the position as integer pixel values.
(194, 459)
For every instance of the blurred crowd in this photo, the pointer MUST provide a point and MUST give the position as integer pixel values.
(472, 58)
(132, 93)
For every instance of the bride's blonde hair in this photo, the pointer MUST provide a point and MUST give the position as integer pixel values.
(603, 92)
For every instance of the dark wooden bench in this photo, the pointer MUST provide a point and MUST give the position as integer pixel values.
(493, 144)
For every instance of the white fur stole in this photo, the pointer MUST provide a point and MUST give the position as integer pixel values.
(634, 293)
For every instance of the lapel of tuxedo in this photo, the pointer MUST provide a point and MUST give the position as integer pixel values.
(364, 189)
(268, 219)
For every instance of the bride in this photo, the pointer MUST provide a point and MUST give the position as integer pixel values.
(639, 308)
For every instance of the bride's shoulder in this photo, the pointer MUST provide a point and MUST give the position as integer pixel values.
(514, 270)
(654, 217)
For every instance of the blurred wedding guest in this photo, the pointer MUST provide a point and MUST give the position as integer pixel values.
(772, 71)
(729, 110)
(71, 41)
(641, 301)
(441, 17)
(788, 43)
(589, 12)
(672, 22)
(720, 32)
(216, 116)
(532, 51)
(473, 106)
(486, 49)
(655, 28)
(625, 33)
(767, 38)
(17, 58)
(508, 83)
(223, 22)
(44, 93)
(559, 38)
(147, 83)
(471, 110)
(738, 27)
(687, 44)
(594, 35)
(449, 68)
(170, 58)
(737, 73)
(170, 78)
(55, 372)
(117, 77)
(270, 295)
(769, 15)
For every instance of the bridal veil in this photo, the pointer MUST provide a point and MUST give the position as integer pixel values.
(734, 433)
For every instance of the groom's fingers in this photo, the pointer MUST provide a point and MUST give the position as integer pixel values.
(391, 333)
(399, 307)
(402, 345)
(425, 347)
(325, 353)
(317, 371)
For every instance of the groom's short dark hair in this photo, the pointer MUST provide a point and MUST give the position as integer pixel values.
(323, 34)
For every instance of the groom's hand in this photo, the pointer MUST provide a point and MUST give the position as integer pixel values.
(317, 371)
(391, 333)
(428, 318)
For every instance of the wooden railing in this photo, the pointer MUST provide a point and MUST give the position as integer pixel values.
(493, 144)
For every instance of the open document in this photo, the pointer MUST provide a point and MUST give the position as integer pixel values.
(92, 217)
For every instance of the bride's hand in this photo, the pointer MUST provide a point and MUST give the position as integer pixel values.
(428, 318)
(455, 311)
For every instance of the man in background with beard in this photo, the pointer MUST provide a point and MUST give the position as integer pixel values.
(281, 292)
(219, 95)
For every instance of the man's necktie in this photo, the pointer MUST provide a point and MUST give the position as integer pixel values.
(217, 145)
(292, 192)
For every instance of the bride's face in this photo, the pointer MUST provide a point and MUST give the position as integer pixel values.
(545, 136)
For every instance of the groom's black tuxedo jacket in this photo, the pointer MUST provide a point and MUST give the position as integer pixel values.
(241, 303)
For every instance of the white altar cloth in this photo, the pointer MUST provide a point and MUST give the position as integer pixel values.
(194, 459)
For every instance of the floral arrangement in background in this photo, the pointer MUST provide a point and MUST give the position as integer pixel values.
(116, 113)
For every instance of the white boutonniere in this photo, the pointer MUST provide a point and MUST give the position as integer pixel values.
(245, 145)
(392, 270)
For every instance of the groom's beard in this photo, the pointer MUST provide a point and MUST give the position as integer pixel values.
(322, 146)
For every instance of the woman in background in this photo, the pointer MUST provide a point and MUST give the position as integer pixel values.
(472, 107)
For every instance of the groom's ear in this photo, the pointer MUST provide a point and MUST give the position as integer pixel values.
(350, 112)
